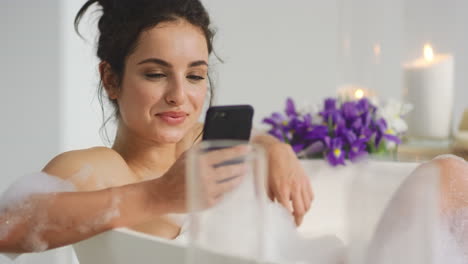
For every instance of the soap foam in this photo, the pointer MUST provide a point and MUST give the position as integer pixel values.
(17, 204)
(28, 199)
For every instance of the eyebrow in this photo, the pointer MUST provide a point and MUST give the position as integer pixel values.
(167, 64)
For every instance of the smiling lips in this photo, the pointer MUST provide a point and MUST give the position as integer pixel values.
(173, 118)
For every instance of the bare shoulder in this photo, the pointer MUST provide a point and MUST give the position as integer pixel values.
(89, 169)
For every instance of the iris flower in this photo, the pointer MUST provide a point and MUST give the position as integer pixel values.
(344, 130)
(383, 132)
(336, 154)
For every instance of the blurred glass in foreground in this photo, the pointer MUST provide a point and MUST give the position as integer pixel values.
(229, 226)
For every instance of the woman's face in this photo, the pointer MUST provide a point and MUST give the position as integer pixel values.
(165, 82)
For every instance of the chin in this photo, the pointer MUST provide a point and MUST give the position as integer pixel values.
(171, 137)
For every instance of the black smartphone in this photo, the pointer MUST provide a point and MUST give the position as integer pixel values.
(232, 122)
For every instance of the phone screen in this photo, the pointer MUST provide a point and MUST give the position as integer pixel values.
(228, 122)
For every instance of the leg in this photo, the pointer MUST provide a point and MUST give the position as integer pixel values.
(453, 183)
(410, 225)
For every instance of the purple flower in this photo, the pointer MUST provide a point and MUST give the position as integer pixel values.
(330, 113)
(336, 154)
(357, 124)
(318, 132)
(347, 130)
(366, 119)
(313, 149)
(350, 111)
(276, 119)
(357, 150)
(363, 105)
(290, 108)
(347, 135)
(277, 133)
(279, 126)
(365, 134)
(330, 104)
(298, 147)
(291, 128)
(384, 133)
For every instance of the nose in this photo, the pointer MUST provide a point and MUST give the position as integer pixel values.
(175, 94)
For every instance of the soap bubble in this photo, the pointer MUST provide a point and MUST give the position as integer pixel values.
(28, 199)
(395, 214)
(427, 219)
(23, 201)
(102, 218)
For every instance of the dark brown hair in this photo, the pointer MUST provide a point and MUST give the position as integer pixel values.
(122, 22)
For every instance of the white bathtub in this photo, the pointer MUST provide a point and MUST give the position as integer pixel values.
(328, 215)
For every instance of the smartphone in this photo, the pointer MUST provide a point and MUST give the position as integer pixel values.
(232, 122)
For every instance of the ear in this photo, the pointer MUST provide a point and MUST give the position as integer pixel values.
(109, 80)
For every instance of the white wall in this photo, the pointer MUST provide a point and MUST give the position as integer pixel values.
(81, 116)
(274, 49)
(29, 85)
(31, 91)
(271, 50)
(254, 71)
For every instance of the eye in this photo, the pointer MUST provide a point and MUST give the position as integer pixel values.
(155, 75)
(196, 77)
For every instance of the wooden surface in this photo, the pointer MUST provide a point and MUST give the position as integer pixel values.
(420, 151)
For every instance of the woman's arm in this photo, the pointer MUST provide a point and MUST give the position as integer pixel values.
(288, 182)
(41, 221)
(46, 221)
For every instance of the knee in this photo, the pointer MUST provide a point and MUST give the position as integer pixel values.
(453, 181)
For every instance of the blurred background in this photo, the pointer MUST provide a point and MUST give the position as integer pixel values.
(272, 49)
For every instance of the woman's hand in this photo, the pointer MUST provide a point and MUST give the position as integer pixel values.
(287, 180)
(215, 180)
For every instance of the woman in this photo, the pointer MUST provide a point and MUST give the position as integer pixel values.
(154, 70)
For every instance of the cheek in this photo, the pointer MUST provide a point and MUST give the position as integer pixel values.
(138, 96)
(197, 97)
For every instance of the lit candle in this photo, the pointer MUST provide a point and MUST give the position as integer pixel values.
(428, 84)
(353, 92)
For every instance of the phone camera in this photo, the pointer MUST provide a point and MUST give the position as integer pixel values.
(220, 115)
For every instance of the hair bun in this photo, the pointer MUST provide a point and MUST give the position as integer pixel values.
(107, 4)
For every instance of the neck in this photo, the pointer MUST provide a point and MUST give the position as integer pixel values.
(146, 158)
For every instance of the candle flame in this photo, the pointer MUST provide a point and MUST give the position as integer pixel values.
(428, 53)
(377, 49)
(359, 94)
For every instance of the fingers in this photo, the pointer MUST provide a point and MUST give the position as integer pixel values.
(298, 205)
(305, 199)
(283, 197)
(295, 195)
(227, 172)
(229, 185)
(307, 194)
(271, 194)
(309, 190)
(218, 156)
(310, 193)
(219, 180)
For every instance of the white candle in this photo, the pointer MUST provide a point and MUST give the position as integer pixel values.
(428, 84)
